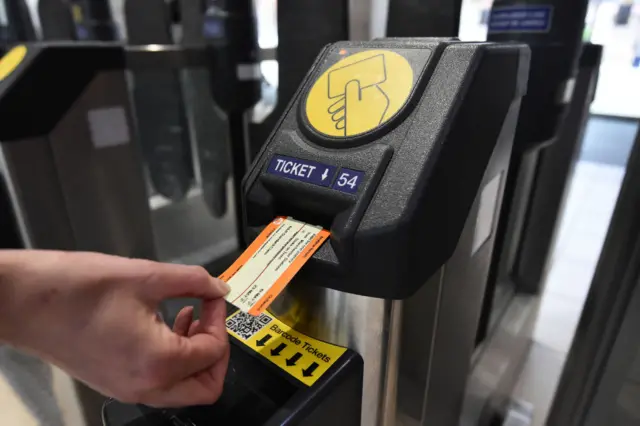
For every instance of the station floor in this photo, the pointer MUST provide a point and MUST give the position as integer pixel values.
(588, 209)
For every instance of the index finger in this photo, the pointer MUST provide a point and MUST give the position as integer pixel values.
(166, 281)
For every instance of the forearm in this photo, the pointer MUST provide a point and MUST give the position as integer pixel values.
(10, 261)
(24, 290)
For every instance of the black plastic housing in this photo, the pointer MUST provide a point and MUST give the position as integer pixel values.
(258, 393)
(46, 68)
(423, 168)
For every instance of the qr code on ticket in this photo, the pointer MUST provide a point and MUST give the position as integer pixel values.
(245, 325)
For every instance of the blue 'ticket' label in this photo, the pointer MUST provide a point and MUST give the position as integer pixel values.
(520, 19)
(302, 170)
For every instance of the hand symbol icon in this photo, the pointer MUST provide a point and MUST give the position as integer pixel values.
(359, 110)
(359, 93)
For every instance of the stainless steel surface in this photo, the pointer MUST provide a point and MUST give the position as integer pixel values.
(418, 345)
(367, 325)
(390, 384)
(498, 362)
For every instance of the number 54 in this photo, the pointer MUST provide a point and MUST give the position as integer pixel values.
(346, 179)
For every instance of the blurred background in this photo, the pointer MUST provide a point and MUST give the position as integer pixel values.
(196, 225)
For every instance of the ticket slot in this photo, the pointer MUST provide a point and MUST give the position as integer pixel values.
(334, 210)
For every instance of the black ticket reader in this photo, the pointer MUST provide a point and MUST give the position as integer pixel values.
(398, 147)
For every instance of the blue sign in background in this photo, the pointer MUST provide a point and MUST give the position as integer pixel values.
(213, 27)
(82, 32)
(520, 19)
(302, 170)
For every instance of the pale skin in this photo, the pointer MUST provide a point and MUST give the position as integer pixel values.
(94, 316)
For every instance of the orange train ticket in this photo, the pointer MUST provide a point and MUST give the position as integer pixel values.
(270, 262)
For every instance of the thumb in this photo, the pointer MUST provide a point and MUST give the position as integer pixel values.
(352, 93)
(352, 103)
(205, 348)
(168, 281)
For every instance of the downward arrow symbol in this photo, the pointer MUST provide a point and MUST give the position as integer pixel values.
(264, 340)
(308, 372)
(276, 351)
(292, 361)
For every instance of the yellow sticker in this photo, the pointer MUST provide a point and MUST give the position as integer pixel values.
(11, 60)
(301, 356)
(359, 93)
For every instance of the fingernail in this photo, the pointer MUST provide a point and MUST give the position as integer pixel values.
(222, 286)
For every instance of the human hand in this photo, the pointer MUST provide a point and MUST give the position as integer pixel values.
(95, 317)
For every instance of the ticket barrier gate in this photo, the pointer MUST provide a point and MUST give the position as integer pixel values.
(88, 192)
(555, 167)
(191, 139)
(187, 152)
(551, 120)
(412, 181)
(553, 32)
(491, 384)
(74, 179)
(160, 111)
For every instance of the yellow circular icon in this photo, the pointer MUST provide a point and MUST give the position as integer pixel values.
(359, 93)
(11, 60)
